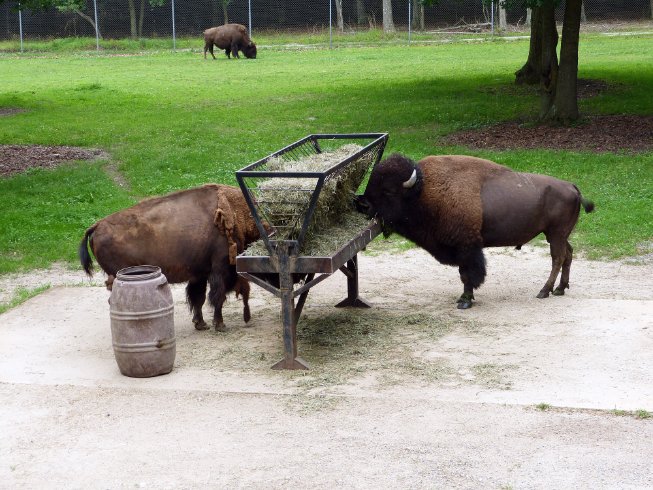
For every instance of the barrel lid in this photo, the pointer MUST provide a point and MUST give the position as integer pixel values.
(138, 273)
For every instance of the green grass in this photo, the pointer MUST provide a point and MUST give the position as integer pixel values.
(171, 120)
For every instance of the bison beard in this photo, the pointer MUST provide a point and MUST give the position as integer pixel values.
(454, 206)
(192, 235)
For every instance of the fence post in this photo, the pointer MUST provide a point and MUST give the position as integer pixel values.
(410, 21)
(249, 17)
(174, 35)
(492, 16)
(20, 25)
(330, 25)
(97, 28)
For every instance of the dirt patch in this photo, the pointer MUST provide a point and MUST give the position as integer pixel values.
(609, 133)
(10, 111)
(16, 159)
(616, 133)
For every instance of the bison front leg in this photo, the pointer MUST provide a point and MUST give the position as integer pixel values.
(242, 289)
(195, 296)
(472, 274)
(234, 50)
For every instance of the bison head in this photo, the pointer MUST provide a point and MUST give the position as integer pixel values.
(394, 184)
(250, 50)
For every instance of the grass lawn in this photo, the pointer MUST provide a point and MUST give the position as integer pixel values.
(171, 120)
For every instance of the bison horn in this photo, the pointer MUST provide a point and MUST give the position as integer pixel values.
(411, 182)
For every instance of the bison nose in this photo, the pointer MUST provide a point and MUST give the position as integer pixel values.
(363, 205)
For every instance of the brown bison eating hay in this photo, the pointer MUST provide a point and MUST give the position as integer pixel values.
(192, 235)
(230, 37)
(454, 206)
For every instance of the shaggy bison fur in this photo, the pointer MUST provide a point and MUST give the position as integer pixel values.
(192, 235)
(454, 206)
(230, 37)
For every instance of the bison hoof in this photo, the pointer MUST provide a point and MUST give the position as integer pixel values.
(543, 294)
(559, 291)
(219, 326)
(465, 301)
(201, 325)
(464, 304)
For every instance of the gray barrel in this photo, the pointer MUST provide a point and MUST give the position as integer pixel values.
(142, 322)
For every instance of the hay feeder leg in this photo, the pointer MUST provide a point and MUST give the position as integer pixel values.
(353, 300)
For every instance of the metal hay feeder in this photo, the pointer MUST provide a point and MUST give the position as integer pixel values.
(286, 232)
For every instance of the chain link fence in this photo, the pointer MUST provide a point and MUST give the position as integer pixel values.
(325, 21)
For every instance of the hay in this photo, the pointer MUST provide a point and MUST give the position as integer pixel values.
(284, 200)
(323, 242)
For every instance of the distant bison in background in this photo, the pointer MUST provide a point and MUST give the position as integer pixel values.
(230, 37)
(454, 206)
(192, 235)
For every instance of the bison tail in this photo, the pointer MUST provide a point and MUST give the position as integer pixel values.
(588, 205)
(84, 256)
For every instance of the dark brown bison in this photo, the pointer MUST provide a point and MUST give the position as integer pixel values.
(454, 206)
(230, 37)
(192, 235)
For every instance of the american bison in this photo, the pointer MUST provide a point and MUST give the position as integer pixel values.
(192, 235)
(454, 206)
(230, 37)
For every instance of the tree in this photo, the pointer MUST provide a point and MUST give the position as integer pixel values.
(361, 16)
(225, 14)
(388, 22)
(339, 18)
(136, 20)
(558, 81)
(77, 7)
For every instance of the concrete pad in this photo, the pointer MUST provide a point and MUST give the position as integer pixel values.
(222, 418)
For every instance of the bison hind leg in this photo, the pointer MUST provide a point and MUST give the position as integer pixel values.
(564, 277)
(195, 296)
(472, 274)
(559, 252)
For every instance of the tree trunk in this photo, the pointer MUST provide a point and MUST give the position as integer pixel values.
(140, 20)
(565, 106)
(528, 16)
(503, 21)
(418, 15)
(214, 12)
(549, 61)
(529, 74)
(583, 17)
(361, 16)
(89, 20)
(388, 23)
(225, 14)
(132, 19)
(339, 19)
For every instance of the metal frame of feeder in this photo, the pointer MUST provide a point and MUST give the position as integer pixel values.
(284, 261)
